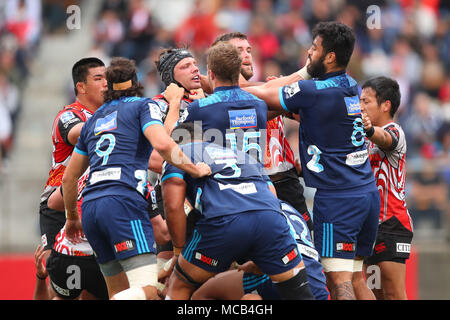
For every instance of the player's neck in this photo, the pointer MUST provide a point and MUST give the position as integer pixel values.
(87, 104)
(384, 121)
(218, 83)
(334, 68)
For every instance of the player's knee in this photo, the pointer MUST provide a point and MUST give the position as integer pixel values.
(296, 288)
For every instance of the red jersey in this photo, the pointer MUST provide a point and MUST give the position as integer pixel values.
(279, 156)
(164, 106)
(389, 168)
(65, 120)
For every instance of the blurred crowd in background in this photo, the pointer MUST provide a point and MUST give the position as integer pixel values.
(411, 45)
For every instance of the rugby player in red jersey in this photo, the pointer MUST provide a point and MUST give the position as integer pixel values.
(380, 99)
(89, 80)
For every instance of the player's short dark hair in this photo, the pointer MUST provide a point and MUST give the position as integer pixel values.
(80, 69)
(337, 38)
(120, 71)
(186, 132)
(228, 36)
(224, 59)
(385, 89)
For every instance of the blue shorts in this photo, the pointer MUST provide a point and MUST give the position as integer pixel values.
(346, 222)
(261, 236)
(117, 227)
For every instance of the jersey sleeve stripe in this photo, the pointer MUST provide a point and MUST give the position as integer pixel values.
(148, 124)
(280, 95)
(80, 151)
(172, 175)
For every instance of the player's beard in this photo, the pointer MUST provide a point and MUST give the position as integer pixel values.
(247, 73)
(317, 68)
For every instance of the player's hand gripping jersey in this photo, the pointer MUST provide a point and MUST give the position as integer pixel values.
(234, 118)
(164, 105)
(111, 171)
(224, 192)
(332, 148)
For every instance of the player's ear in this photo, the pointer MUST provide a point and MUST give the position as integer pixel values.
(211, 75)
(330, 57)
(81, 87)
(386, 106)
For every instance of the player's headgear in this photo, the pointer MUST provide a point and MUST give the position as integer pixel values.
(168, 61)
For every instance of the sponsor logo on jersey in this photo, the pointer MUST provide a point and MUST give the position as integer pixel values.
(67, 121)
(353, 106)
(155, 111)
(345, 247)
(107, 123)
(61, 291)
(107, 174)
(124, 246)
(67, 116)
(242, 119)
(291, 89)
(205, 259)
(356, 158)
(242, 188)
(403, 247)
(308, 251)
(290, 256)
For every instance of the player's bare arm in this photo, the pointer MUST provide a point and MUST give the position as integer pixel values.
(174, 191)
(172, 153)
(74, 133)
(173, 95)
(76, 167)
(269, 95)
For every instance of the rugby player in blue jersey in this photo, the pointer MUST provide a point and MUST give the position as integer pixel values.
(334, 157)
(230, 116)
(237, 283)
(241, 219)
(116, 142)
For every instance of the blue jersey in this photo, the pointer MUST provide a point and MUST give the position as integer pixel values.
(238, 182)
(331, 135)
(118, 151)
(234, 118)
(262, 284)
(311, 258)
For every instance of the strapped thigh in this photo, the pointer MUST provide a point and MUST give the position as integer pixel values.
(183, 276)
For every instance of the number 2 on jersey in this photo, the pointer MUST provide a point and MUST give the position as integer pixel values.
(314, 164)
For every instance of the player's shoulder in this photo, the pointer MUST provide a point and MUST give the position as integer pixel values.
(161, 101)
(335, 81)
(396, 131)
(72, 113)
(136, 100)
